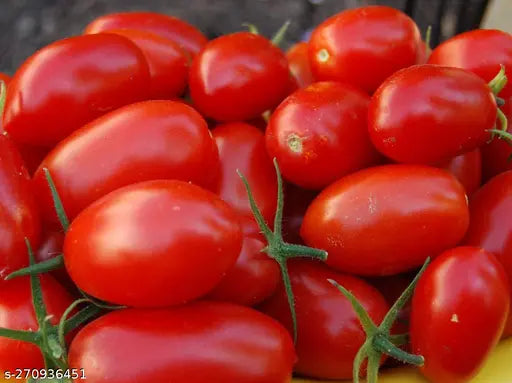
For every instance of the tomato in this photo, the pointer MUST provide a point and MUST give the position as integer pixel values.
(197, 343)
(143, 141)
(71, 82)
(5, 78)
(253, 278)
(319, 134)
(238, 77)
(298, 62)
(242, 147)
(19, 217)
(496, 154)
(329, 332)
(17, 313)
(296, 203)
(173, 240)
(480, 51)
(167, 62)
(490, 226)
(427, 113)
(467, 168)
(459, 308)
(387, 219)
(363, 46)
(187, 36)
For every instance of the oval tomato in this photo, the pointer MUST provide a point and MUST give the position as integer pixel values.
(298, 62)
(197, 343)
(253, 278)
(387, 219)
(171, 239)
(481, 51)
(490, 227)
(329, 333)
(242, 147)
(467, 167)
(17, 313)
(143, 141)
(459, 308)
(363, 46)
(184, 34)
(238, 77)
(19, 217)
(167, 62)
(71, 82)
(427, 113)
(319, 134)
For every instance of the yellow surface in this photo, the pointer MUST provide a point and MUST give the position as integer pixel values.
(498, 369)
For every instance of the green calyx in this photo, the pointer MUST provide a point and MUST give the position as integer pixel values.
(496, 85)
(3, 93)
(279, 36)
(50, 338)
(277, 248)
(251, 28)
(378, 338)
(499, 81)
(428, 38)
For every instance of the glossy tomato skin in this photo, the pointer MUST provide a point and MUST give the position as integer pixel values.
(214, 342)
(17, 313)
(437, 113)
(143, 141)
(298, 62)
(19, 216)
(363, 46)
(5, 78)
(480, 51)
(329, 332)
(387, 219)
(184, 34)
(467, 167)
(172, 239)
(238, 77)
(242, 147)
(254, 277)
(319, 134)
(71, 82)
(167, 61)
(459, 308)
(490, 226)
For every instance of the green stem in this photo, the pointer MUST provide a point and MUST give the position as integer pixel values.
(292, 250)
(290, 296)
(252, 28)
(25, 336)
(3, 93)
(382, 344)
(358, 361)
(37, 294)
(81, 317)
(502, 118)
(278, 218)
(499, 81)
(57, 202)
(39, 268)
(61, 329)
(278, 37)
(372, 374)
(428, 37)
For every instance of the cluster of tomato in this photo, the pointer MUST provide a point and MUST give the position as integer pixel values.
(163, 212)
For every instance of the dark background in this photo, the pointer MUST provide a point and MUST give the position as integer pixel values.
(27, 25)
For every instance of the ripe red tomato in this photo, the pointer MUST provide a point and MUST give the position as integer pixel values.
(363, 46)
(242, 146)
(5, 78)
(184, 34)
(481, 51)
(329, 333)
(387, 219)
(197, 343)
(143, 141)
(168, 66)
(238, 77)
(459, 308)
(467, 168)
(427, 113)
(319, 134)
(71, 82)
(17, 313)
(496, 154)
(253, 278)
(19, 216)
(298, 62)
(490, 225)
(173, 240)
